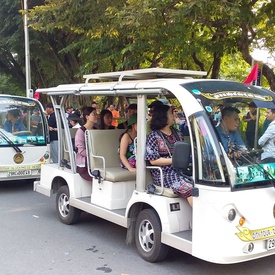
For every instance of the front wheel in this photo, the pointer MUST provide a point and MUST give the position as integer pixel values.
(66, 213)
(148, 236)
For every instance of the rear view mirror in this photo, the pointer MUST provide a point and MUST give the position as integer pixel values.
(181, 155)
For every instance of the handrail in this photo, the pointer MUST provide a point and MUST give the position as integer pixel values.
(89, 152)
(161, 178)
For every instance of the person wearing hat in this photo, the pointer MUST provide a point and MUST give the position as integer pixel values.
(250, 118)
(127, 146)
(74, 120)
(131, 109)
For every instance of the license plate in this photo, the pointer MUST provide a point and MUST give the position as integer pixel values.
(19, 173)
(270, 244)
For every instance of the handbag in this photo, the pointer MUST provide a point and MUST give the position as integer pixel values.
(183, 188)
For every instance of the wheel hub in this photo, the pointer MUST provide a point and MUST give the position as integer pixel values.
(63, 204)
(146, 233)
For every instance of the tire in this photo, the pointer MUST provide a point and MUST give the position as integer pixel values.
(66, 213)
(148, 236)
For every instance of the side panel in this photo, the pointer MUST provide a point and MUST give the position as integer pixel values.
(51, 174)
(218, 240)
(175, 213)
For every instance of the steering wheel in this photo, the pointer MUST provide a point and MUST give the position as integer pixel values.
(22, 133)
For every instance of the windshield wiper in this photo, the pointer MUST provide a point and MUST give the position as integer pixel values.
(10, 142)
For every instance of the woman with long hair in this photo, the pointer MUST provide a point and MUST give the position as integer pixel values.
(159, 150)
(90, 119)
(105, 120)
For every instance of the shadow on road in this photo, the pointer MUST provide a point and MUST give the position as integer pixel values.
(16, 185)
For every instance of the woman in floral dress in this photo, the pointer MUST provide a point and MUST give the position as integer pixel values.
(159, 151)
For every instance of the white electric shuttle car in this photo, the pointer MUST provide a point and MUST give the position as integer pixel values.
(233, 214)
(23, 138)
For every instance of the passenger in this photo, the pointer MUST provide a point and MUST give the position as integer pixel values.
(127, 146)
(69, 110)
(74, 120)
(228, 133)
(250, 118)
(174, 111)
(105, 120)
(265, 125)
(183, 127)
(115, 114)
(96, 106)
(267, 140)
(36, 122)
(90, 119)
(52, 132)
(150, 113)
(130, 110)
(13, 123)
(218, 115)
(159, 151)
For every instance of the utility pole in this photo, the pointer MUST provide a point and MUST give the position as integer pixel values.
(29, 91)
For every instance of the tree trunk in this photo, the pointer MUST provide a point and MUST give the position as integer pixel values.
(216, 66)
(244, 49)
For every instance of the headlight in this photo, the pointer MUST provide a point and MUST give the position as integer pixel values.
(231, 214)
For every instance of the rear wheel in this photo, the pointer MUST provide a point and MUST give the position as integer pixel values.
(66, 213)
(148, 236)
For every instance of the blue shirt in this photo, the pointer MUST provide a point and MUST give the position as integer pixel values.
(18, 126)
(232, 138)
(267, 141)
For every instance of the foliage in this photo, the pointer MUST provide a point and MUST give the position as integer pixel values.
(9, 86)
(69, 38)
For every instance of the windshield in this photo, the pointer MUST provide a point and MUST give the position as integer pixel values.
(207, 156)
(21, 122)
(238, 114)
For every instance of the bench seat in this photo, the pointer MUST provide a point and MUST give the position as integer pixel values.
(117, 174)
(116, 185)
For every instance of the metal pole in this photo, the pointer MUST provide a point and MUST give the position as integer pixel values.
(27, 52)
(256, 129)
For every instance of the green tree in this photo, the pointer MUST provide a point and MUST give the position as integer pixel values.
(70, 38)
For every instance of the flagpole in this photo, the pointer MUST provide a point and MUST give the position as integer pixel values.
(29, 92)
(257, 113)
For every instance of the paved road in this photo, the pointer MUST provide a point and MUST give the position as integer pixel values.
(33, 241)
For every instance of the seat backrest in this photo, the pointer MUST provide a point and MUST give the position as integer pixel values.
(72, 132)
(103, 143)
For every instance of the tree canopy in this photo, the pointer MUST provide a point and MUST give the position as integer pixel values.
(69, 38)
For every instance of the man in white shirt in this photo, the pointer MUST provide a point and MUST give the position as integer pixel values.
(267, 140)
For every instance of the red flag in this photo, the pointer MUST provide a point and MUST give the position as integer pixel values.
(36, 95)
(253, 75)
